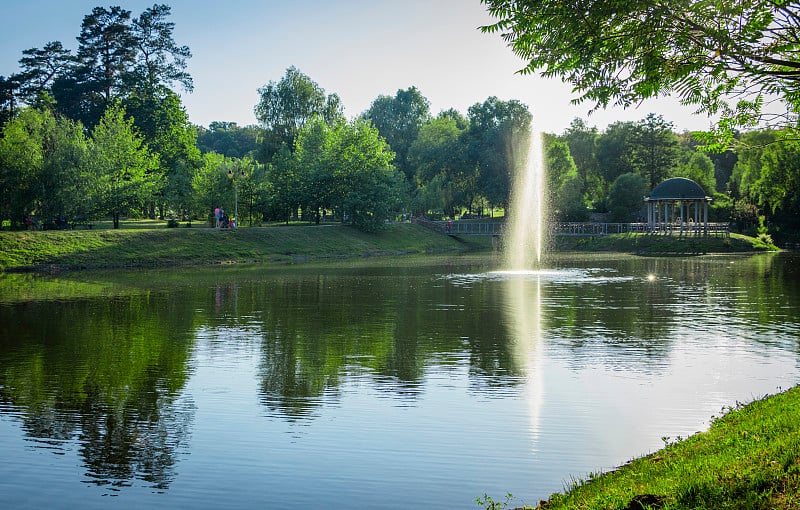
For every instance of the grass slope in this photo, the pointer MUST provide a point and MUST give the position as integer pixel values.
(149, 247)
(644, 244)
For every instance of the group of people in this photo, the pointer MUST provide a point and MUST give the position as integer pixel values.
(222, 219)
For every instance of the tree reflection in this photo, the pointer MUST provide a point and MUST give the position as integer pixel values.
(105, 372)
(320, 330)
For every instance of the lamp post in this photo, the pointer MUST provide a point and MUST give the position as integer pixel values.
(235, 177)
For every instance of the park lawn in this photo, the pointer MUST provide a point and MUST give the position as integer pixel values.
(155, 247)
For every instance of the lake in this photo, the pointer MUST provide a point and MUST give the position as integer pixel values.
(380, 383)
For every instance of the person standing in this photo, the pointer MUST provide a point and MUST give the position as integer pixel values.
(217, 217)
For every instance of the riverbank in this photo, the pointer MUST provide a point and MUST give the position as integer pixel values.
(157, 246)
(749, 458)
(644, 244)
(148, 244)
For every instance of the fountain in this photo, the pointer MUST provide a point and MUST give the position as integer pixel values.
(526, 223)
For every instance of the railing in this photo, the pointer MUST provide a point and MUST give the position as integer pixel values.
(459, 228)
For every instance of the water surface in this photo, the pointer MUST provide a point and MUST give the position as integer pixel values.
(387, 384)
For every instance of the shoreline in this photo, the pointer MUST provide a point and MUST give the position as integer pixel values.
(160, 247)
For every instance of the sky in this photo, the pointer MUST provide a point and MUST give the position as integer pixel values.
(358, 49)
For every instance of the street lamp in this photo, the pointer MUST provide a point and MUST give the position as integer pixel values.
(235, 178)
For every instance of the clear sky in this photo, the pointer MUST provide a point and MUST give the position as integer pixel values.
(359, 49)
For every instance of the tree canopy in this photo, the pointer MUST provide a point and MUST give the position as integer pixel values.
(726, 58)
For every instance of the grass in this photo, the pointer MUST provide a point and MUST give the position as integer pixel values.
(153, 245)
(148, 243)
(644, 244)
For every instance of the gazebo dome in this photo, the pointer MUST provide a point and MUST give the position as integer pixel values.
(678, 188)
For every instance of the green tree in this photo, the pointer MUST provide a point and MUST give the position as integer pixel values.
(768, 175)
(286, 106)
(625, 198)
(655, 149)
(8, 99)
(106, 51)
(21, 161)
(229, 139)
(564, 183)
(723, 57)
(316, 163)
(498, 139)
(40, 68)
(700, 169)
(43, 161)
(372, 187)
(399, 119)
(582, 141)
(122, 164)
(439, 152)
(163, 123)
(159, 61)
(614, 153)
(347, 166)
(284, 186)
(210, 185)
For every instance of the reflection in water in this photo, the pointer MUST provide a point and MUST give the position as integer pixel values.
(523, 310)
(299, 386)
(106, 374)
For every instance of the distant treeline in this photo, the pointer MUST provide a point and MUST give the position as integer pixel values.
(101, 132)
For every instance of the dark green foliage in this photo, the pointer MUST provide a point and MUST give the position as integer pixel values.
(723, 57)
(286, 106)
(625, 199)
(399, 120)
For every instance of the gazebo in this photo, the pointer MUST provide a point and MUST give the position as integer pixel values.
(678, 205)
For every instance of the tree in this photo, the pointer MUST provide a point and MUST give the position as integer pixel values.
(768, 175)
(564, 183)
(106, 51)
(372, 187)
(122, 163)
(229, 139)
(582, 141)
(286, 106)
(159, 61)
(40, 68)
(163, 123)
(316, 164)
(708, 53)
(625, 198)
(21, 162)
(655, 149)
(8, 99)
(399, 120)
(346, 166)
(700, 169)
(210, 185)
(498, 139)
(614, 153)
(439, 152)
(43, 161)
(283, 186)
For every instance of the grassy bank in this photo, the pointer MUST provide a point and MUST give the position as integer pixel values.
(749, 458)
(644, 244)
(149, 246)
